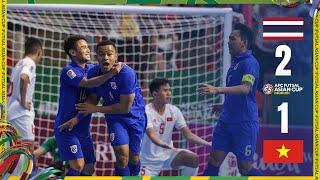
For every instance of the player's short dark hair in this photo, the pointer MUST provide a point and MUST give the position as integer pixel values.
(32, 45)
(245, 33)
(157, 83)
(105, 43)
(70, 43)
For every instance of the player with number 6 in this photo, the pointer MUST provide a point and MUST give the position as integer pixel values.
(238, 125)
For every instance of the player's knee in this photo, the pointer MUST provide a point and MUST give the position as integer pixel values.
(185, 158)
(215, 161)
(193, 160)
(77, 164)
(122, 161)
(134, 159)
(244, 168)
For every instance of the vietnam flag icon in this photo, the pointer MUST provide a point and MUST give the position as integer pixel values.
(283, 151)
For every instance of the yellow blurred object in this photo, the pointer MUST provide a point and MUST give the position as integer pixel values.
(129, 28)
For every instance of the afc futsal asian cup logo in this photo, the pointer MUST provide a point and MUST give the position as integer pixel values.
(281, 88)
(267, 89)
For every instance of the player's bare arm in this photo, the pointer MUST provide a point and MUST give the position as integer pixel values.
(99, 80)
(156, 140)
(244, 89)
(194, 138)
(123, 107)
(24, 81)
(92, 99)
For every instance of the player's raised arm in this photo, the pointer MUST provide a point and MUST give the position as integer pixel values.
(156, 140)
(244, 88)
(99, 80)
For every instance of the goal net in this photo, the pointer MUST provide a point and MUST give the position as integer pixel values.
(186, 45)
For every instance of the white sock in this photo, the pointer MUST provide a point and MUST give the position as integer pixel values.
(189, 171)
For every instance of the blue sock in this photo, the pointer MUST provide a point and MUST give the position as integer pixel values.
(134, 168)
(122, 171)
(73, 172)
(254, 172)
(211, 170)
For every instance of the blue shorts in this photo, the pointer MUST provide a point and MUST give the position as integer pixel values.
(121, 133)
(239, 138)
(73, 145)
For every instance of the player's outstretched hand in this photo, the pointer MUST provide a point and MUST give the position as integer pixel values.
(204, 89)
(69, 124)
(86, 108)
(208, 144)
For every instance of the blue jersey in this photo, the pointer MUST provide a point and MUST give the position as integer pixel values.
(124, 83)
(241, 108)
(71, 93)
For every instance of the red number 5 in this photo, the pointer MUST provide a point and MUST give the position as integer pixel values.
(161, 130)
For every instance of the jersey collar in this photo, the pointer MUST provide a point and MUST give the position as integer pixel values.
(27, 58)
(242, 56)
(74, 64)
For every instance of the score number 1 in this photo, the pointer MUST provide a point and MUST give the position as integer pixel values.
(280, 71)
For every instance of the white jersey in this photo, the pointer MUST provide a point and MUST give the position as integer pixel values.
(24, 66)
(163, 126)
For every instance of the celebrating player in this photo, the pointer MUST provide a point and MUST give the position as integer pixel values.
(162, 118)
(124, 110)
(76, 146)
(22, 82)
(238, 126)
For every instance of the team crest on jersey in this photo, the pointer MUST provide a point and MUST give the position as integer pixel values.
(169, 119)
(74, 149)
(71, 74)
(111, 137)
(113, 85)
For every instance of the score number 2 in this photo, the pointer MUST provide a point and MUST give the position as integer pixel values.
(281, 71)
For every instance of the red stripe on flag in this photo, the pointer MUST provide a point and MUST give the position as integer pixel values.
(282, 19)
(283, 38)
(283, 151)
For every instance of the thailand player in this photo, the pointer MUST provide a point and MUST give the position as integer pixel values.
(238, 125)
(76, 146)
(163, 117)
(124, 109)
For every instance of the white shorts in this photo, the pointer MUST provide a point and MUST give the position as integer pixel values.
(25, 127)
(154, 169)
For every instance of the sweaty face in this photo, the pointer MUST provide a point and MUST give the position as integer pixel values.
(163, 95)
(236, 44)
(82, 51)
(107, 57)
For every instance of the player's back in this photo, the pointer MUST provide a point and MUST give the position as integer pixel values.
(70, 91)
(163, 125)
(24, 66)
